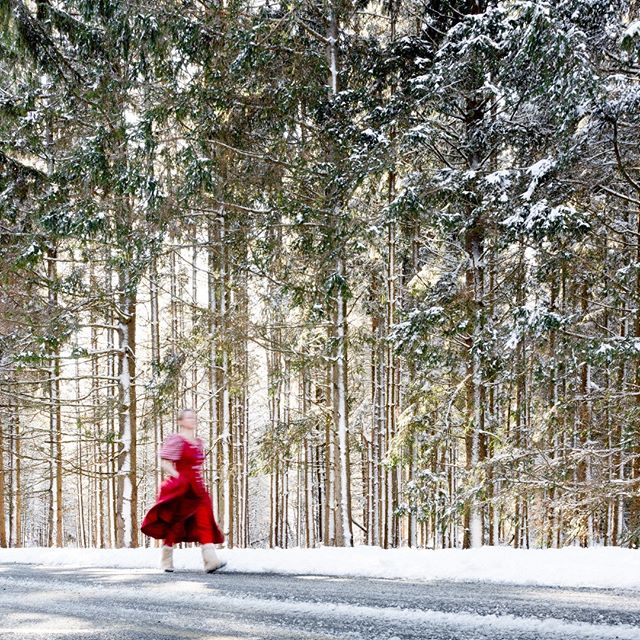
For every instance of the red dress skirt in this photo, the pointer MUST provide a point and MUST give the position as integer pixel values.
(183, 511)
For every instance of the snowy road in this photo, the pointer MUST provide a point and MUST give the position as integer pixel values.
(140, 604)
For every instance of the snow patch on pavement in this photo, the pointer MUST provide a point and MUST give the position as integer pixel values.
(600, 567)
(504, 623)
(203, 595)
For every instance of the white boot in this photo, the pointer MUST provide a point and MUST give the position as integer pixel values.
(166, 562)
(210, 558)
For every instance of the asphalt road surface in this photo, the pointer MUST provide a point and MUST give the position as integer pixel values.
(139, 604)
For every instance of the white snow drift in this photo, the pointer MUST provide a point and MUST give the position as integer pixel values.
(605, 567)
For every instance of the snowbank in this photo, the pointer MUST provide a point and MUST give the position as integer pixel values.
(605, 567)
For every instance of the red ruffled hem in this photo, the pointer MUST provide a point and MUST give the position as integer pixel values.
(173, 515)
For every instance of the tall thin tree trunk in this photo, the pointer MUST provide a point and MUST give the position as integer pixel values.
(3, 521)
(55, 415)
(634, 501)
(126, 489)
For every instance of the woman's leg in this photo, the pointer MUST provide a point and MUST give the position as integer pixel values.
(210, 558)
(166, 558)
(168, 541)
(205, 537)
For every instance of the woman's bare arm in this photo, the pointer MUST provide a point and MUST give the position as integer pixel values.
(169, 467)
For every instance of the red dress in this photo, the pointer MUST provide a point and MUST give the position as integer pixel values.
(183, 511)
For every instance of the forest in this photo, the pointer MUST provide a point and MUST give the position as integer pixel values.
(389, 251)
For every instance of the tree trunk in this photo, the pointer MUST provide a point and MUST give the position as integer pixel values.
(634, 501)
(3, 521)
(126, 490)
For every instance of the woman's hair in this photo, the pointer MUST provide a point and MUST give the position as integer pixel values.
(182, 413)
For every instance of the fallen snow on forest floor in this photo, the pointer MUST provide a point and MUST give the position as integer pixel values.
(604, 567)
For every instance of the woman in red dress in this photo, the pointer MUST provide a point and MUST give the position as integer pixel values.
(183, 511)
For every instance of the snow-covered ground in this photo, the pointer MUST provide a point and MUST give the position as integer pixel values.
(605, 567)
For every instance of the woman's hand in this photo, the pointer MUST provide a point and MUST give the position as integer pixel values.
(169, 468)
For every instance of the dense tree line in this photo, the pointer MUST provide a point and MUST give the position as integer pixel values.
(389, 251)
